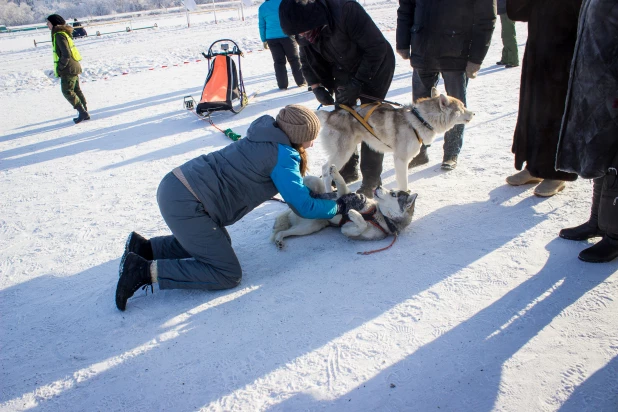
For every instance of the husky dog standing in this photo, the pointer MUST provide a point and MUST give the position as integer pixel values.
(398, 130)
(388, 213)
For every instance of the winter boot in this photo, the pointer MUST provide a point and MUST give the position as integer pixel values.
(522, 178)
(449, 162)
(420, 159)
(137, 244)
(584, 231)
(349, 171)
(134, 274)
(549, 187)
(605, 250)
(83, 114)
(368, 189)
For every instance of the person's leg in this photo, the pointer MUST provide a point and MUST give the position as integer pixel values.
(606, 249)
(213, 264)
(455, 84)
(510, 54)
(291, 53)
(589, 229)
(278, 53)
(67, 85)
(78, 92)
(422, 83)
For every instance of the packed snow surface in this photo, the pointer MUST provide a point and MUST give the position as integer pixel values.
(478, 306)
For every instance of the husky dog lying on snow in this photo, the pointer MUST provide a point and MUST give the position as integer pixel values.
(398, 130)
(389, 212)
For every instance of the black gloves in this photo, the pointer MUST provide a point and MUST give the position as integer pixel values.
(351, 201)
(347, 95)
(323, 96)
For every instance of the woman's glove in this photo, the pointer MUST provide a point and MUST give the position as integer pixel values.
(351, 201)
(323, 96)
(265, 44)
(404, 53)
(350, 92)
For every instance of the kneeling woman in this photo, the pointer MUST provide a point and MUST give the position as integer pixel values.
(198, 199)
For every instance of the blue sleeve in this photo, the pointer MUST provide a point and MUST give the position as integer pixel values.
(289, 182)
(262, 25)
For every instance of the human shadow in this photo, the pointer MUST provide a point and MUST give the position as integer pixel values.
(98, 113)
(599, 392)
(202, 347)
(462, 369)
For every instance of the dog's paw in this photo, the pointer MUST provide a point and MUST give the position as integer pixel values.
(332, 171)
(279, 244)
(356, 217)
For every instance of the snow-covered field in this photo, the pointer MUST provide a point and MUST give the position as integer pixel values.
(478, 306)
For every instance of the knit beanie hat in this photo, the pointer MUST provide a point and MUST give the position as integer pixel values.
(56, 20)
(299, 16)
(298, 123)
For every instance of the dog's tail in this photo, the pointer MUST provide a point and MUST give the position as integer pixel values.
(282, 222)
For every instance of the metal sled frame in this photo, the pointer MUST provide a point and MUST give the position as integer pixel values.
(234, 105)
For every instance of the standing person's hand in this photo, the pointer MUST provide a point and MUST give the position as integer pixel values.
(323, 95)
(350, 92)
(472, 69)
(404, 53)
(265, 44)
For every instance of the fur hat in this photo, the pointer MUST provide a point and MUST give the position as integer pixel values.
(56, 20)
(299, 16)
(298, 123)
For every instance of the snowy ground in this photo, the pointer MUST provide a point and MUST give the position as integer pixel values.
(478, 306)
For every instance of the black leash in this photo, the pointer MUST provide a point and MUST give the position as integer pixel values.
(375, 99)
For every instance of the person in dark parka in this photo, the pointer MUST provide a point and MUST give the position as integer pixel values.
(552, 32)
(588, 143)
(448, 38)
(342, 52)
(200, 198)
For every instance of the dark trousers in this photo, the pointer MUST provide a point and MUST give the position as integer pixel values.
(71, 91)
(455, 84)
(282, 49)
(604, 210)
(199, 253)
(510, 54)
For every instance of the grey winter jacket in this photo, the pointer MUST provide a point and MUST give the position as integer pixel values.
(589, 133)
(236, 179)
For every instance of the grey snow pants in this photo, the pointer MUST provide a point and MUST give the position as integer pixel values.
(198, 254)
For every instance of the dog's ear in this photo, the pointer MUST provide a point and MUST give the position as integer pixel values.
(411, 200)
(434, 92)
(443, 102)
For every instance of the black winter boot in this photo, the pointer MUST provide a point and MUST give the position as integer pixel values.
(420, 159)
(134, 274)
(83, 114)
(584, 231)
(349, 171)
(605, 250)
(137, 244)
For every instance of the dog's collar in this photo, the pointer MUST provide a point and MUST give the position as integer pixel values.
(391, 225)
(416, 113)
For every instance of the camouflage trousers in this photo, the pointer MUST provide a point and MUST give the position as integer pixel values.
(71, 91)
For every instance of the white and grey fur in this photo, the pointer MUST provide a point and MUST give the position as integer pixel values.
(394, 211)
(396, 128)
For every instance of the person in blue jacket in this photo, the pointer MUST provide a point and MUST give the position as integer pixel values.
(281, 46)
(200, 198)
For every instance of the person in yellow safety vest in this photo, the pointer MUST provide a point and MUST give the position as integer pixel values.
(66, 64)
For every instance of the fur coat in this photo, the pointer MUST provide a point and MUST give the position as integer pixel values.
(589, 135)
(552, 31)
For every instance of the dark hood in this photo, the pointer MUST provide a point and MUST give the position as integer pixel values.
(299, 16)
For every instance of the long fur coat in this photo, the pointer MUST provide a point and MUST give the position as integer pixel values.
(552, 32)
(589, 135)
